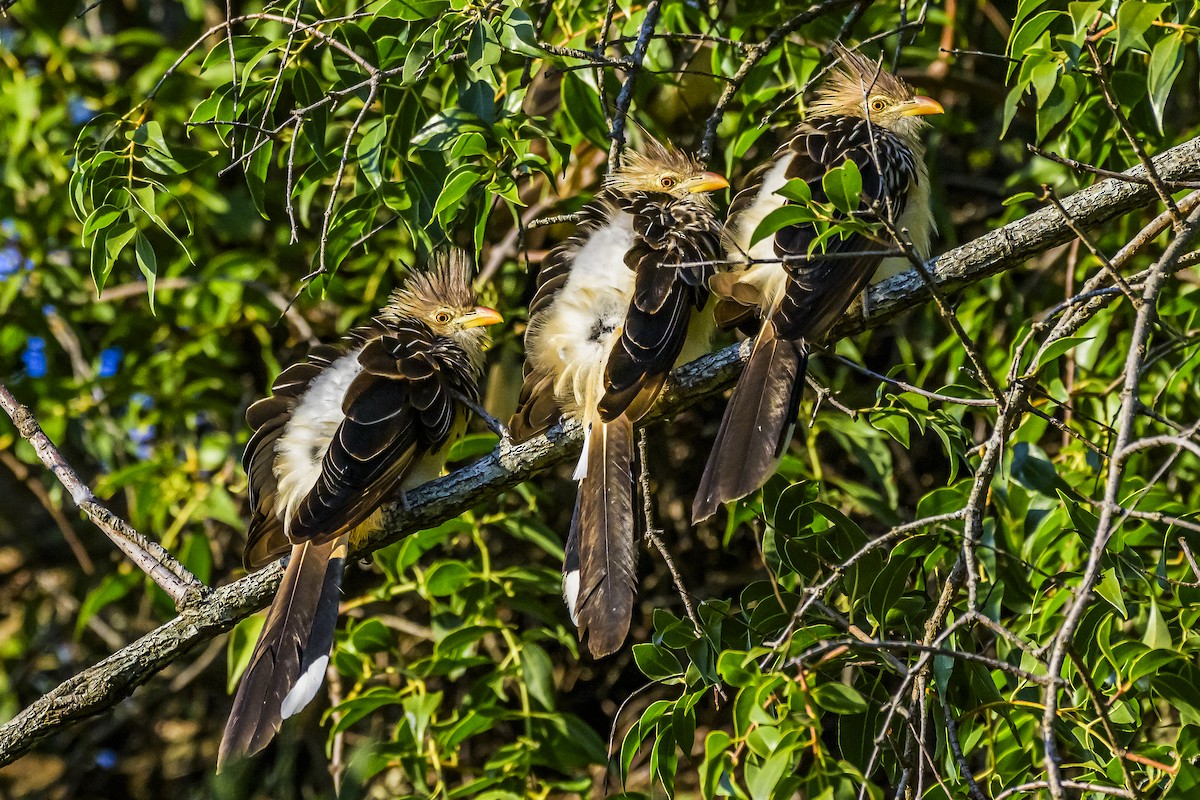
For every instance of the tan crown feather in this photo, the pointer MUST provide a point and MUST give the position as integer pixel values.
(640, 168)
(853, 79)
(447, 282)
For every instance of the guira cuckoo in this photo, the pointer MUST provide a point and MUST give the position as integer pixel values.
(342, 433)
(862, 114)
(616, 308)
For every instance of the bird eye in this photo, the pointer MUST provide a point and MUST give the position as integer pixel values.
(878, 104)
(442, 317)
(667, 182)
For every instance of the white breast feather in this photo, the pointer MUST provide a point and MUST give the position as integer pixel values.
(769, 279)
(596, 295)
(301, 448)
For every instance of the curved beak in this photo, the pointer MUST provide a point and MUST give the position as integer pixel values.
(708, 182)
(480, 316)
(920, 106)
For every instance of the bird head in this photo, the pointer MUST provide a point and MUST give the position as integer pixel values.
(657, 169)
(442, 298)
(860, 87)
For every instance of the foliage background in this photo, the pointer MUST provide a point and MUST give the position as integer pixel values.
(161, 208)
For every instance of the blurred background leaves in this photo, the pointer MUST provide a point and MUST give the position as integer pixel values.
(186, 206)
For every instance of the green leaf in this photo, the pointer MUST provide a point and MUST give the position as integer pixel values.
(539, 674)
(369, 636)
(106, 248)
(796, 190)
(1059, 348)
(457, 185)
(111, 589)
(1019, 197)
(1158, 635)
(241, 647)
(839, 698)
(1023, 38)
(843, 186)
(781, 218)
(1134, 18)
(1083, 14)
(150, 135)
(447, 577)
(1109, 588)
(147, 263)
(256, 177)
(100, 219)
(517, 33)
(582, 106)
(761, 779)
(370, 151)
(1044, 78)
(1166, 62)
(656, 663)
(414, 10)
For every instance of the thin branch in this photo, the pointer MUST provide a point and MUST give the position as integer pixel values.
(1110, 508)
(1134, 141)
(756, 54)
(625, 97)
(653, 535)
(1107, 173)
(150, 557)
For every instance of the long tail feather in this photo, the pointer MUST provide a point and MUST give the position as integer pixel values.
(757, 426)
(289, 660)
(601, 547)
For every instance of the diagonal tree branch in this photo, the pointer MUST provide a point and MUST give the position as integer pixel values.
(101, 686)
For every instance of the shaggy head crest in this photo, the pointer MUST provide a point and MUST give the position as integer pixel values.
(442, 298)
(656, 168)
(860, 87)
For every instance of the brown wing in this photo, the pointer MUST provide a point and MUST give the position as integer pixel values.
(672, 257)
(537, 408)
(400, 408)
(268, 417)
(820, 290)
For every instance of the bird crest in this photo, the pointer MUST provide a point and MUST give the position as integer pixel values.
(654, 167)
(446, 283)
(855, 81)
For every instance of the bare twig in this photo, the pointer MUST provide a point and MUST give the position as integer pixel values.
(1110, 508)
(756, 54)
(625, 97)
(151, 558)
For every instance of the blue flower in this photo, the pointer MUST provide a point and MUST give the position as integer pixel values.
(80, 111)
(106, 758)
(34, 357)
(110, 361)
(8, 226)
(142, 437)
(10, 260)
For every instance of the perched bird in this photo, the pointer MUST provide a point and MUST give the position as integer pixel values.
(862, 114)
(615, 309)
(345, 431)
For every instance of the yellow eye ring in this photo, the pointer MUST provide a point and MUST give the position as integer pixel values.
(878, 104)
(442, 317)
(667, 182)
